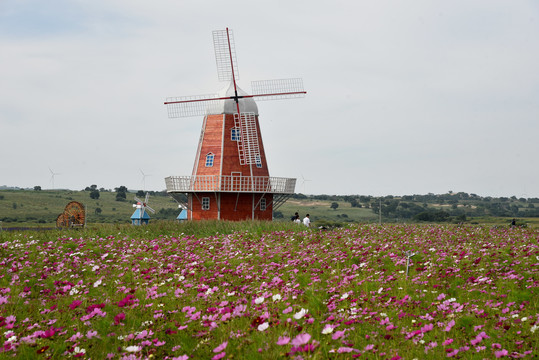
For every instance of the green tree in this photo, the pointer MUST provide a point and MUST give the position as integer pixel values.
(334, 205)
(37, 188)
(121, 193)
(94, 194)
(98, 211)
(140, 193)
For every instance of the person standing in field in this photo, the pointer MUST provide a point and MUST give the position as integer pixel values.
(307, 221)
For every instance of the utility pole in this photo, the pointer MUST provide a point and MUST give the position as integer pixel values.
(380, 212)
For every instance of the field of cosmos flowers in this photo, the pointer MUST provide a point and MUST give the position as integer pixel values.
(466, 292)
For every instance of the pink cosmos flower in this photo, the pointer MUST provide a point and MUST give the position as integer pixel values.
(337, 335)
(219, 356)
(452, 353)
(449, 325)
(283, 340)
(301, 339)
(447, 342)
(287, 310)
(501, 353)
(220, 347)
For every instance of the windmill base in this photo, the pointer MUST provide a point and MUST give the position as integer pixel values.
(229, 206)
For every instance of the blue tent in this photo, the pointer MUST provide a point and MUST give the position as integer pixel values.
(183, 215)
(136, 219)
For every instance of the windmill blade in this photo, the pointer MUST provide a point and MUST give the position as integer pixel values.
(194, 105)
(278, 89)
(138, 200)
(225, 55)
(149, 208)
(146, 198)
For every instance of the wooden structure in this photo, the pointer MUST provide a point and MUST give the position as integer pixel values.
(74, 215)
(230, 178)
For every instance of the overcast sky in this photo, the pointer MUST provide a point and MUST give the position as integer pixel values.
(404, 97)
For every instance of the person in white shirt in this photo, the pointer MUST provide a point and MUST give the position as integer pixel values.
(307, 221)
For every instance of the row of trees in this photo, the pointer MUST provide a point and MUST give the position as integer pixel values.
(431, 207)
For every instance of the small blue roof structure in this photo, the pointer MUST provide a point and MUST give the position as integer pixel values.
(183, 215)
(137, 219)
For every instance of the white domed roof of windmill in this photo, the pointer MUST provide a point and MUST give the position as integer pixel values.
(229, 106)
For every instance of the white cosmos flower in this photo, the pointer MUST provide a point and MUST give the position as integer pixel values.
(263, 326)
(79, 350)
(133, 348)
(344, 296)
(328, 329)
(97, 283)
(259, 300)
(276, 297)
(300, 314)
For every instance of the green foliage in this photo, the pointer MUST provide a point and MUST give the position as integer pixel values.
(94, 194)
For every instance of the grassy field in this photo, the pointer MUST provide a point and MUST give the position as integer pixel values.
(28, 208)
(35, 208)
(40, 208)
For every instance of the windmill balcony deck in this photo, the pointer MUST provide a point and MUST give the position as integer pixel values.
(228, 183)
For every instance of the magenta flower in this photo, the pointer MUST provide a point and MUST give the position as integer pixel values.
(118, 318)
(75, 304)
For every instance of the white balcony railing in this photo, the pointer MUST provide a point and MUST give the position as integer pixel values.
(230, 183)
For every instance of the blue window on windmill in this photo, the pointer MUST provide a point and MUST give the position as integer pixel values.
(258, 161)
(209, 160)
(235, 134)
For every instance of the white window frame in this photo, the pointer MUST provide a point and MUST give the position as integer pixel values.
(205, 203)
(258, 161)
(263, 206)
(235, 134)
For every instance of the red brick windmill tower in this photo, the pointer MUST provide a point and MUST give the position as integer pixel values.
(230, 178)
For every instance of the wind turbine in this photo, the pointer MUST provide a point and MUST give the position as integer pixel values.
(52, 176)
(144, 180)
(303, 181)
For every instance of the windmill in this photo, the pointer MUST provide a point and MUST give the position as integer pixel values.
(230, 178)
(143, 180)
(53, 174)
(303, 181)
(140, 216)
